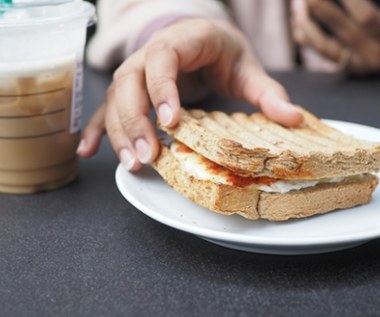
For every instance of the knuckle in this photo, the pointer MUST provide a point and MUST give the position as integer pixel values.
(207, 28)
(157, 47)
(131, 122)
(368, 20)
(118, 73)
(158, 83)
(129, 66)
(129, 73)
(112, 129)
(109, 94)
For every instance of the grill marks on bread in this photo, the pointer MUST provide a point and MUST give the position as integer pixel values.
(253, 145)
(256, 131)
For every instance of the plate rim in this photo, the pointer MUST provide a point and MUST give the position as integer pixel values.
(239, 238)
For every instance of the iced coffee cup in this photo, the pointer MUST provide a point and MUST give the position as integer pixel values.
(41, 64)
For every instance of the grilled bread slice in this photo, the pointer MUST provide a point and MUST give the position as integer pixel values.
(243, 196)
(255, 146)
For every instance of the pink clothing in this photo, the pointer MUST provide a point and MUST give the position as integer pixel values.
(125, 25)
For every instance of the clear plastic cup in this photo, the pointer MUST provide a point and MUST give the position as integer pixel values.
(41, 76)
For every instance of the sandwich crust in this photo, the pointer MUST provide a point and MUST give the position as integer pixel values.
(255, 204)
(255, 146)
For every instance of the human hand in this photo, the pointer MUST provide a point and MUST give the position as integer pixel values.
(148, 77)
(355, 43)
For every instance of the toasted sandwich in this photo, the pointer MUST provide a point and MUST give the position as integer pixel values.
(251, 166)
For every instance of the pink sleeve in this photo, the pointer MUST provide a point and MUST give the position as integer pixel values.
(125, 25)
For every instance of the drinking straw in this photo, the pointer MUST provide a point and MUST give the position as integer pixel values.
(2, 3)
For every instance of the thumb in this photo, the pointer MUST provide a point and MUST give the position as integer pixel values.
(268, 95)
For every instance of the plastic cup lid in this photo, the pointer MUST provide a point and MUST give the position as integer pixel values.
(21, 13)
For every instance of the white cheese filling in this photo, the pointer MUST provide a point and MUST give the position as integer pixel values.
(284, 186)
(194, 164)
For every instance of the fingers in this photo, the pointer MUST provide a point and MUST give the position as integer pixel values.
(120, 141)
(165, 57)
(137, 139)
(339, 23)
(92, 134)
(322, 43)
(366, 14)
(348, 36)
(279, 109)
(161, 76)
(265, 93)
(308, 33)
(150, 75)
(298, 19)
(246, 80)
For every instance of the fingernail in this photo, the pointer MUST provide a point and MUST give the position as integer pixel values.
(288, 106)
(81, 146)
(291, 109)
(143, 150)
(165, 114)
(127, 159)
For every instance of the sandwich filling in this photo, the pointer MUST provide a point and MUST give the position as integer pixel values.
(202, 168)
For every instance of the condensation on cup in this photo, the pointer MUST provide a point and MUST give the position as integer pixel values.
(41, 79)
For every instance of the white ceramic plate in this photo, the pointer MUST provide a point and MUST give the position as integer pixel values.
(149, 193)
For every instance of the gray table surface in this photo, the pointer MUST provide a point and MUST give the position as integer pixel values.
(84, 250)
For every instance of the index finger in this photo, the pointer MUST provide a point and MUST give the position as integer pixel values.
(161, 75)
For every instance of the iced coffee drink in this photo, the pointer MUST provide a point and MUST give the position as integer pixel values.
(39, 130)
(40, 94)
